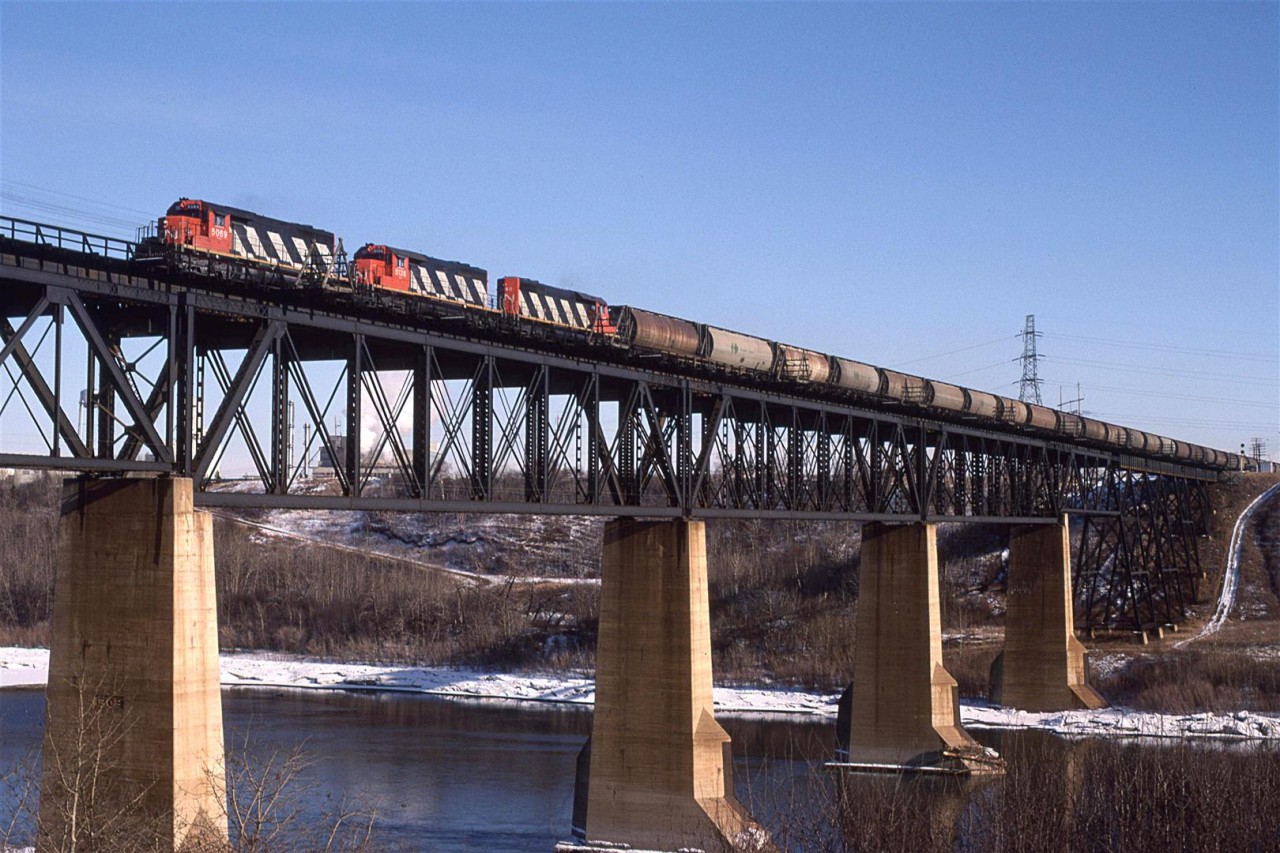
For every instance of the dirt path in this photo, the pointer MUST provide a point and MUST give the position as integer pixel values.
(1231, 577)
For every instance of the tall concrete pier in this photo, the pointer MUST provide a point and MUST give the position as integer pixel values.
(1042, 667)
(905, 708)
(658, 766)
(133, 740)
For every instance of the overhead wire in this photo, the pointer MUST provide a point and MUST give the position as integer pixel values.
(99, 202)
(38, 202)
(1001, 363)
(952, 352)
(1247, 356)
(1142, 393)
(1198, 374)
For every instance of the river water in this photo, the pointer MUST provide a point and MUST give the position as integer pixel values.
(440, 774)
(450, 775)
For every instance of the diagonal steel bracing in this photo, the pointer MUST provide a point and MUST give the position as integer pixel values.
(483, 420)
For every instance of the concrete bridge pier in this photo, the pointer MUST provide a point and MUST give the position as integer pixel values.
(1042, 667)
(133, 747)
(657, 771)
(904, 707)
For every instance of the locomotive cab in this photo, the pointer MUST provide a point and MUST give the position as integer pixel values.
(197, 224)
(381, 266)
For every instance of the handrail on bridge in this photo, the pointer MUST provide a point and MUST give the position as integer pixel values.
(65, 238)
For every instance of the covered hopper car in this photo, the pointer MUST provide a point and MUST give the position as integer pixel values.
(202, 230)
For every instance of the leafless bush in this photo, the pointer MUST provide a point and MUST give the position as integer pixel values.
(970, 666)
(28, 527)
(88, 800)
(265, 806)
(1196, 679)
(19, 788)
(1085, 796)
(340, 604)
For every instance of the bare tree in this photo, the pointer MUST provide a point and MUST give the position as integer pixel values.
(265, 806)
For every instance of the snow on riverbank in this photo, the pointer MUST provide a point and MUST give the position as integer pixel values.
(29, 668)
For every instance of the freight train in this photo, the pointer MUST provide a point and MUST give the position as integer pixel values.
(203, 235)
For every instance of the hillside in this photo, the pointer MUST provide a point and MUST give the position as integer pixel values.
(515, 592)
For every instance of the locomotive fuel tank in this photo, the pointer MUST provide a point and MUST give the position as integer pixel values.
(648, 330)
(734, 349)
(856, 376)
(802, 365)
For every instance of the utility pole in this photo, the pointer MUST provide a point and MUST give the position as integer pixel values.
(1258, 446)
(1062, 404)
(1029, 386)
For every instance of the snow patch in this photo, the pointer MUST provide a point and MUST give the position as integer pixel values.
(21, 667)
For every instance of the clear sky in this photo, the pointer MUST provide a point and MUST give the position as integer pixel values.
(898, 183)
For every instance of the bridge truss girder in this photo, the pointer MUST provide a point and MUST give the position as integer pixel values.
(432, 421)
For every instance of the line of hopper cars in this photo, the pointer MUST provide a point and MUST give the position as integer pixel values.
(202, 230)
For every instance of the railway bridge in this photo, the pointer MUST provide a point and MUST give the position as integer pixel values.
(140, 377)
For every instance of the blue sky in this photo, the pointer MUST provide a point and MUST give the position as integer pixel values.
(890, 182)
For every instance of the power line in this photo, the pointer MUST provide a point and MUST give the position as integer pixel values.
(1251, 426)
(1141, 393)
(1248, 356)
(46, 190)
(1223, 377)
(951, 352)
(1004, 362)
(27, 203)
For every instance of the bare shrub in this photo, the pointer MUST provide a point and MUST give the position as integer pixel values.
(1091, 795)
(28, 528)
(1195, 679)
(970, 665)
(265, 806)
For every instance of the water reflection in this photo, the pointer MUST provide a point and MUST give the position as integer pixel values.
(466, 775)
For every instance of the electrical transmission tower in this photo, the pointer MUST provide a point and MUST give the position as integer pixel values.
(1029, 387)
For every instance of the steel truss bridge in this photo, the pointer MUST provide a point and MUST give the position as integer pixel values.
(131, 367)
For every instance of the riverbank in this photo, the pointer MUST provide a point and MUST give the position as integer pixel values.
(24, 667)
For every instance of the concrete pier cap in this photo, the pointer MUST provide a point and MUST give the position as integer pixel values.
(903, 709)
(657, 772)
(133, 745)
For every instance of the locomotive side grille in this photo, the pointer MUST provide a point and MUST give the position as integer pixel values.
(245, 242)
(553, 309)
(276, 247)
(440, 283)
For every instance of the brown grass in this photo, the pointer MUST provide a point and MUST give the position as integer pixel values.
(1089, 795)
(1195, 679)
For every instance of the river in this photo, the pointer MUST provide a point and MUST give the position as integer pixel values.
(492, 775)
(441, 774)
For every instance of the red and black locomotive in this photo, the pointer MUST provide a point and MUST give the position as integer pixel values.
(210, 234)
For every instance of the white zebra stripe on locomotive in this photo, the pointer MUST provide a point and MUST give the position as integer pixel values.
(554, 308)
(446, 285)
(261, 243)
